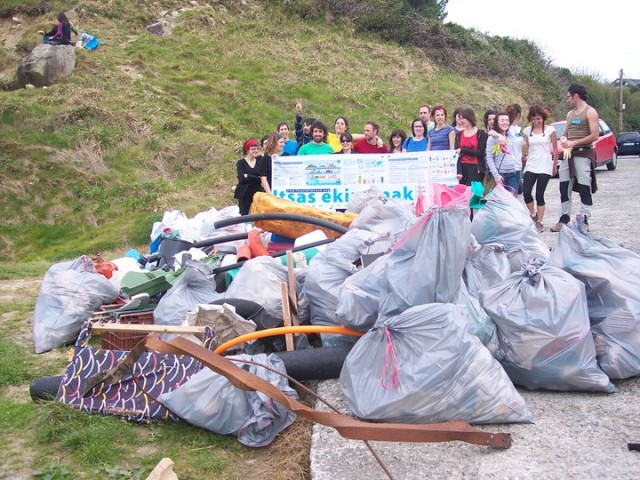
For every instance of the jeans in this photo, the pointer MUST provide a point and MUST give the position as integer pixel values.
(511, 181)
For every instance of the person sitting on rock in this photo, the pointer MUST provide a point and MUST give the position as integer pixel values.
(61, 33)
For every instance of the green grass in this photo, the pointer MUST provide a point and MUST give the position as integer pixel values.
(148, 124)
(71, 444)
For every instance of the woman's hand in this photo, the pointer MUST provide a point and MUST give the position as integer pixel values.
(459, 177)
(498, 180)
(502, 140)
(555, 169)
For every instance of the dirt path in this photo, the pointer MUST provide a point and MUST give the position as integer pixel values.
(19, 290)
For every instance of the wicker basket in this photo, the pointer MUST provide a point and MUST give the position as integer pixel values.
(126, 340)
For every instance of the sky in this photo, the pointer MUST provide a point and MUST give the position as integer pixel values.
(586, 36)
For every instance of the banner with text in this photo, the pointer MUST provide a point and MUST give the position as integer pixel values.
(327, 181)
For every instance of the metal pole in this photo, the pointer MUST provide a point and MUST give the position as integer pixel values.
(620, 102)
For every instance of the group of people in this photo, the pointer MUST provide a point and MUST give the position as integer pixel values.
(502, 149)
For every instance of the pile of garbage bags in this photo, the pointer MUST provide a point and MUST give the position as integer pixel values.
(455, 314)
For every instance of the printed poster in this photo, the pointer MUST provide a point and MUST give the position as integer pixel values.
(327, 181)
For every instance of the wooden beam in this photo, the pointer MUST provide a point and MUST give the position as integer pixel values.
(286, 315)
(135, 328)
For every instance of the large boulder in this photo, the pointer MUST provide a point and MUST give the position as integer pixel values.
(47, 64)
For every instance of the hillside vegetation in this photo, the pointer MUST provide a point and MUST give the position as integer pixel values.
(147, 124)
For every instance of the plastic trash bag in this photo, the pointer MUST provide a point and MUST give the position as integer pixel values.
(69, 294)
(208, 230)
(358, 200)
(259, 280)
(610, 274)
(222, 319)
(486, 266)
(543, 329)
(208, 400)
(478, 321)
(423, 366)
(194, 286)
(385, 216)
(426, 264)
(359, 297)
(326, 274)
(505, 220)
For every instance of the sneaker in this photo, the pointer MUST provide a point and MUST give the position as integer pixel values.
(540, 227)
(534, 218)
(564, 219)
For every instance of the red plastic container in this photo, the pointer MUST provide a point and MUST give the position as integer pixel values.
(126, 340)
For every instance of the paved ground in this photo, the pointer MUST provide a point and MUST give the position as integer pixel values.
(576, 435)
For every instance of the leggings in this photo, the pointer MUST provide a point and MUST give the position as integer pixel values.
(541, 180)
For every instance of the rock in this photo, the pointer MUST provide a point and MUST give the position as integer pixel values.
(28, 86)
(161, 28)
(193, 3)
(16, 19)
(47, 64)
(163, 13)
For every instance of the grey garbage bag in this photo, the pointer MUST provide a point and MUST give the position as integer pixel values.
(196, 285)
(259, 280)
(358, 200)
(69, 294)
(385, 216)
(326, 274)
(426, 264)
(505, 220)
(610, 274)
(486, 266)
(208, 400)
(543, 329)
(423, 366)
(359, 297)
(479, 323)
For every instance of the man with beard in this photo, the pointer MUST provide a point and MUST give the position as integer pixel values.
(318, 145)
(371, 143)
(578, 171)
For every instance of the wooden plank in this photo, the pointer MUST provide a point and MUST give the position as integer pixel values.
(133, 328)
(293, 298)
(286, 315)
(163, 471)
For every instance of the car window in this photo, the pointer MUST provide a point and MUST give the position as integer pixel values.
(604, 128)
(559, 128)
(628, 137)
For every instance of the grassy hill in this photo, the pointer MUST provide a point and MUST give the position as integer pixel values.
(147, 123)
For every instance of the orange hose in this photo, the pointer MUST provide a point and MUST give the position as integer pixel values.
(271, 332)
